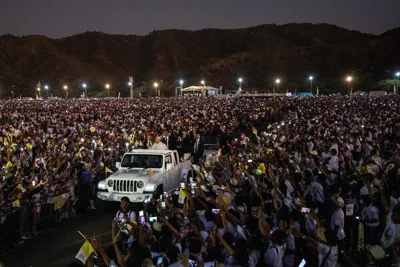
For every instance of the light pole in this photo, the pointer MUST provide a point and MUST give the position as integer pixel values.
(277, 81)
(349, 79)
(84, 85)
(240, 80)
(38, 91)
(130, 84)
(397, 84)
(46, 87)
(311, 78)
(181, 84)
(156, 87)
(204, 86)
(66, 91)
(108, 89)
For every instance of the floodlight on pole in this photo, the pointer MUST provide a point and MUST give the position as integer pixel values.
(66, 90)
(46, 87)
(311, 78)
(181, 89)
(156, 87)
(397, 84)
(349, 79)
(204, 86)
(240, 80)
(84, 85)
(277, 81)
(108, 89)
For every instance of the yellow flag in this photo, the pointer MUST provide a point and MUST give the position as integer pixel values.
(108, 170)
(29, 145)
(10, 138)
(262, 168)
(182, 193)
(85, 252)
(133, 137)
(9, 165)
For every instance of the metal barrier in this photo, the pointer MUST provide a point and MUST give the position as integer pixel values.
(17, 224)
(11, 228)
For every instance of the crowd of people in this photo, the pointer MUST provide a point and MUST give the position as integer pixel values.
(297, 180)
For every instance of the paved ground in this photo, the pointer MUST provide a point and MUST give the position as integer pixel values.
(58, 246)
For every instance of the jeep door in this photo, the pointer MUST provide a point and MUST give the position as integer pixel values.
(169, 174)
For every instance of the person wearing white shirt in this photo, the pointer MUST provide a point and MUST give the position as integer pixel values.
(333, 164)
(328, 251)
(392, 229)
(370, 217)
(337, 221)
(158, 145)
(273, 257)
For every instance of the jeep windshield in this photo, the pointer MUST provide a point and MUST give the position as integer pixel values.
(142, 161)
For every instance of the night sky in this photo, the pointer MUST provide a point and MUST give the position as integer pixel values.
(60, 18)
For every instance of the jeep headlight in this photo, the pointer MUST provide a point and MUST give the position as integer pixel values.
(150, 188)
(140, 184)
(102, 185)
(110, 183)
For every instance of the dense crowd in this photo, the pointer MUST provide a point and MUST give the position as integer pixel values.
(297, 179)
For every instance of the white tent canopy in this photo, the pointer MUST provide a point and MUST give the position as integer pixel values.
(200, 89)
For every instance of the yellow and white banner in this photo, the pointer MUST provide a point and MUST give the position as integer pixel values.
(85, 252)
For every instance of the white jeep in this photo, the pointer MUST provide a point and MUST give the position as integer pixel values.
(144, 174)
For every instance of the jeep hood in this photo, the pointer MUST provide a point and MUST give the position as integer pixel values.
(134, 174)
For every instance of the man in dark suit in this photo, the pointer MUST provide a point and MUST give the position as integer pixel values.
(169, 140)
(165, 138)
(193, 133)
(198, 149)
(186, 146)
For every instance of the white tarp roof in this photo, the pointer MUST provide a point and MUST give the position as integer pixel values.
(199, 88)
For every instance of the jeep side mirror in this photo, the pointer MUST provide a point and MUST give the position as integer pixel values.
(169, 166)
(118, 165)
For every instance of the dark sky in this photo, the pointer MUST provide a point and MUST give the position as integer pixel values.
(59, 18)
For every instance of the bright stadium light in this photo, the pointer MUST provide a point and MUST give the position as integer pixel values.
(108, 86)
(311, 78)
(240, 80)
(349, 79)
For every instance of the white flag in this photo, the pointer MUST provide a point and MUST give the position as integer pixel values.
(85, 252)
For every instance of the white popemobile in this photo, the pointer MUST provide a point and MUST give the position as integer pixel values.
(144, 174)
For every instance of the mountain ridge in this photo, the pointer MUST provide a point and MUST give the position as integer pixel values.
(260, 54)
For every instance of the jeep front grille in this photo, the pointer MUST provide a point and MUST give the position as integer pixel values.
(124, 186)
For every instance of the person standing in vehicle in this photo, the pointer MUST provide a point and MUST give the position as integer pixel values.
(198, 149)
